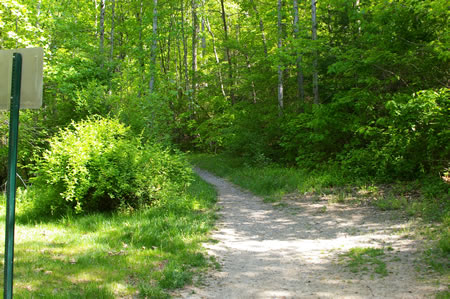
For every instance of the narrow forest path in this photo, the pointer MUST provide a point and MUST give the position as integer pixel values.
(296, 251)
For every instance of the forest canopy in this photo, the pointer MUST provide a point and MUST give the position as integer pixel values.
(361, 86)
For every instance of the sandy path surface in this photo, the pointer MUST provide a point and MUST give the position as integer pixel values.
(296, 251)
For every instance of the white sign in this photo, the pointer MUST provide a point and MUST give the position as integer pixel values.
(32, 78)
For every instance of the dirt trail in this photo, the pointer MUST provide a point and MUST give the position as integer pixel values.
(296, 251)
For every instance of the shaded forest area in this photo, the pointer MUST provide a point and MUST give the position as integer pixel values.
(356, 86)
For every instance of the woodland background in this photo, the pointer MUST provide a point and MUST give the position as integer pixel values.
(358, 87)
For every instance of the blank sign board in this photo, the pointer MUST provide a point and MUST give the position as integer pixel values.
(32, 78)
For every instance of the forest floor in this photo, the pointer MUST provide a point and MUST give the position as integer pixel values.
(306, 247)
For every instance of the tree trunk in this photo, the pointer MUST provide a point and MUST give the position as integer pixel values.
(252, 82)
(301, 90)
(153, 49)
(280, 71)
(102, 26)
(261, 27)
(113, 16)
(314, 37)
(162, 58)
(227, 52)
(169, 44)
(217, 58)
(185, 49)
(357, 5)
(203, 40)
(194, 48)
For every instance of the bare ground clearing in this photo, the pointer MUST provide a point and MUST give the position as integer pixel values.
(296, 250)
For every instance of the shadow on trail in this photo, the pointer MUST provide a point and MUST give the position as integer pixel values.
(274, 253)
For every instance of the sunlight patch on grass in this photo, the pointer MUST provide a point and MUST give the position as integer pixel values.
(146, 252)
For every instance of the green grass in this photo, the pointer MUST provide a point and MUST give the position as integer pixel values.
(267, 180)
(145, 253)
(443, 295)
(366, 260)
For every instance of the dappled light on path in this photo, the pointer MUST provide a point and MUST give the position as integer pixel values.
(296, 251)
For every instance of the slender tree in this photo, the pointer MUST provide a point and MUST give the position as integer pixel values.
(216, 56)
(185, 49)
(113, 17)
(261, 26)
(314, 38)
(280, 70)
(227, 52)
(300, 88)
(203, 39)
(102, 26)
(195, 30)
(153, 49)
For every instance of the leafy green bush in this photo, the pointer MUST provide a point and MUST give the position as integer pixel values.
(98, 165)
(416, 135)
(409, 141)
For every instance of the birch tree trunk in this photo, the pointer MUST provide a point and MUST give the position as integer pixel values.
(102, 26)
(357, 5)
(153, 49)
(217, 58)
(301, 90)
(314, 38)
(280, 71)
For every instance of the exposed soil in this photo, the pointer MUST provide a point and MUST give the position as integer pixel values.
(295, 250)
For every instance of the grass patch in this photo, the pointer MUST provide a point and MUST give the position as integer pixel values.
(141, 253)
(443, 295)
(265, 180)
(366, 260)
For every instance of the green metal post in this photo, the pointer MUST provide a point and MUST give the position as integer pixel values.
(12, 166)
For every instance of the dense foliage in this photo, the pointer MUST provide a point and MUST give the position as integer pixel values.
(99, 165)
(240, 76)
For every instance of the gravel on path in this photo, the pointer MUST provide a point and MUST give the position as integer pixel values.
(296, 251)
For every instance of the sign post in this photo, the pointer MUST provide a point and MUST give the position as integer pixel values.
(12, 166)
(22, 69)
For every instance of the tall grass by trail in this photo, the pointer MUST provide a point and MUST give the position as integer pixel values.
(268, 179)
(143, 253)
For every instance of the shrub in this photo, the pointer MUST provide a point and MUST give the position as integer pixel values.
(98, 165)
(409, 141)
(418, 134)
